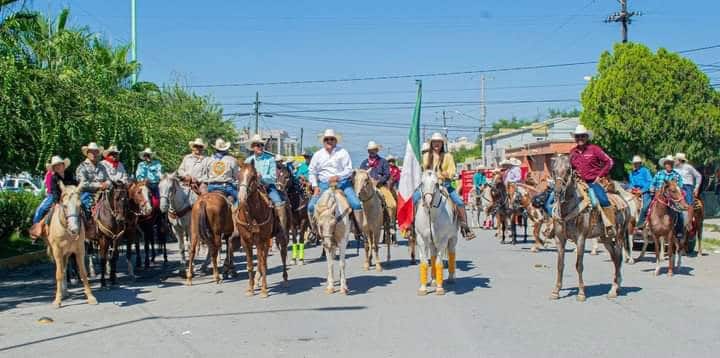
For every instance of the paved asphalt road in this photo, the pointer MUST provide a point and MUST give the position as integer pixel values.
(498, 307)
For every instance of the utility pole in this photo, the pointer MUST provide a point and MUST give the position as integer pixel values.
(483, 116)
(445, 127)
(257, 112)
(624, 18)
(133, 40)
(302, 150)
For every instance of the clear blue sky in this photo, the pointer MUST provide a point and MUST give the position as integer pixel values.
(212, 42)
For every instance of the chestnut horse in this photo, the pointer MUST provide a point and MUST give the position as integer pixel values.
(211, 222)
(663, 215)
(257, 224)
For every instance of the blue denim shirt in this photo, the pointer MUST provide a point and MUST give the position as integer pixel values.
(641, 179)
(149, 171)
(265, 166)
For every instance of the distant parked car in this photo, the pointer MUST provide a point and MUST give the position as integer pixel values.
(14, 184)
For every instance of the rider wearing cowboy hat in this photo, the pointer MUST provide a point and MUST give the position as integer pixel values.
(513, 174)
(332, 165)
(394, 171)
(222, 169)
(302, 170)
(149, 169)
(592, 163)
(92, 177)
(193, 168)
(57, 166)
(443, 164)
(692, 179)
(266, 168)
(377, 167)
(113, 166)
(640, 180)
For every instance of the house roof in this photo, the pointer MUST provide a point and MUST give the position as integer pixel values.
(529, 128)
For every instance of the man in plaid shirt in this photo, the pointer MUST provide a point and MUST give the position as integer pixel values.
(663, 176)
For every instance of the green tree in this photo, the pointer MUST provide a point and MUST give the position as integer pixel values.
(653, 104)
(512, 123)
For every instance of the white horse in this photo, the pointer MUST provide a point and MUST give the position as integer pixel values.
(176, 201)
(333, 223)
(437, 232)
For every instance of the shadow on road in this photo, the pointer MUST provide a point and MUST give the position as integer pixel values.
(600, 290)
(465, 285)
(296, 285)
(150, 318)
(362, 284)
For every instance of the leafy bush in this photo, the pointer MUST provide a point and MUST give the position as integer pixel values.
(16, 211)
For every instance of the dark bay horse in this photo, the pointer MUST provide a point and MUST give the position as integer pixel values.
(575, 219)
(299, 223)
(150, 222)
(211, 222)
(500, 207)
(257, 224)
(662, 218)
(110, 215)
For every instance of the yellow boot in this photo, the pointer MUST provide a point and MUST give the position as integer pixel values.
(423, 279)
(439, 278)
(451, 267)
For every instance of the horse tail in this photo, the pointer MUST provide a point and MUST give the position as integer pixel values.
(205, 233)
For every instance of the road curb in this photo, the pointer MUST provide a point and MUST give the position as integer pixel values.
(23, 260)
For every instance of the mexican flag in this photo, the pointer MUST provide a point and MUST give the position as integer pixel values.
(411, 170)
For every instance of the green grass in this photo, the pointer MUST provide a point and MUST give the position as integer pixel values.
(17, 245)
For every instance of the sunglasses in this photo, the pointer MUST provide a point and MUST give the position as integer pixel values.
(258, 145)
(330, 140)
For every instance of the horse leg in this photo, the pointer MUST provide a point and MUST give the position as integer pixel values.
(59, 276)
(438, 270)
(594, 251)
(525, 229)
(343, 278)
(248, 248)
(580, 254)
(555, 294)
(128, 258)
(376, 252)
(536, 237)
(113, 262)
(698, 232)
(262, 267)
(90, 255)
(671, 251)
(136, 241)
(513, 229)
(658, 257)
(366, 264)
(215, 253)
(283, 243)
(193, 249)
(103, 260)
(146, 240)
(229, 264)
(79, 261)
(616, 251)
(330, 258)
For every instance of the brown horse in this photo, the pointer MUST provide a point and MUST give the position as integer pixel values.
(663, 215)
(694, 232)
(111, 217)
(257, 224)
(149, 220)
(500, 207)
(299, 222)
(518, 202)
(211, 222)
(66, 238)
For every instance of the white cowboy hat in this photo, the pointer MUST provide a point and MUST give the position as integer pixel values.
(111, 149)
(425, 147)
(669, 158)
(372, 145)
(91, 146)
(56, 159)
(436, 137)
(221, 145)
(330, 133)
(147, 151)
(279, 158)
(681, 157)
(516, 162)
(580, 130)
(505, 162)
(256, 139)
(637, 159)
(198, 142)
(391, 157)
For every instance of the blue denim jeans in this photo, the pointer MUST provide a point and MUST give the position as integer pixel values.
(688, 190)
(454, 196)
(226, 188)
(345, 186)
(600, 194)
(549, 202)
(86, 198)
(274, 194)
(43, 208)
(646, 199)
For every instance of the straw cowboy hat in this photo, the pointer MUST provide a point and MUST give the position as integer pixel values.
(425, 147)
(681, 157)
(198, 142)
(91, 146)
(330, 133)
(145, 152)
(279, 158)
(437, 137)
(373, 146)
(256, 139)
(111, 149)
(55, 160)
(637, 159)
(391, 157)
(516, 162)
(669, 158)
(505, 162)
(580, 130)
(221, 145)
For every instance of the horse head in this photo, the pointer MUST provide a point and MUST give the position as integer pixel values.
(362, 183)
(325, 211)
(672, 193)
(70, 203)
(139, 194)
(284, 178)
(429, 187)
(119, 201)
(247, 180)
(167, 187)
(561, 172)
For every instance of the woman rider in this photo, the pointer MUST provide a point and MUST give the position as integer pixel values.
(443, 163)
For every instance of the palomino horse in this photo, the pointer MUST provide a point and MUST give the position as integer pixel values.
(332, 215)
(257, 224)
(663, 215)
(298, 221)
(176, 201)
(111, 217)
(576, 220)
(66, 237)
(372, 222)
(211, 222)
(437, 232)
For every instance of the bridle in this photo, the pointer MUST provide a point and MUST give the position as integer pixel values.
(366, 190)
(250, 183)
(64, 217)
(170, 197)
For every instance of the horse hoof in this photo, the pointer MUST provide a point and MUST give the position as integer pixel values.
(612, 295)
(286, 284)
(554, 296)
(440, 291)
(593, 253)
(422, 292)
(344, 291)
(533, 249)
(301, 263)
(378, 268)
(188, 283)
(657, 272)
(264, 294)
(670, 274)
(366, 267)
(249, 293)
(581, 298)
(92, 300)
(329, 290)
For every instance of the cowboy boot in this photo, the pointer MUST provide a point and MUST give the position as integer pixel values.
(608, 219)
(36, 230)
(464, 229)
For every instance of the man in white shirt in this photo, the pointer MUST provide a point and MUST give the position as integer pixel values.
(513, 173)
(691, 178)
(332, 165)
